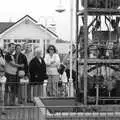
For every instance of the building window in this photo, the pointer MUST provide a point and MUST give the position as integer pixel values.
(29, 41)
(34, 41)
(24, 40)
(38, 41)
(6, 40)
(15, 41)
(21, 41)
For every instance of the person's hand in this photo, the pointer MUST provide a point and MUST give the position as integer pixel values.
(26, 77)
(21, 65)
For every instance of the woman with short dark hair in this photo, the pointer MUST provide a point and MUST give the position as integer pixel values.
(53, 48)
(52, 61)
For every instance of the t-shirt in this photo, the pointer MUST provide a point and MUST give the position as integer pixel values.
(52, 70)
(8, 67)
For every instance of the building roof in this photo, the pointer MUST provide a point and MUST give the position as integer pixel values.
(49, 30)
(6, 25)
(62, 41)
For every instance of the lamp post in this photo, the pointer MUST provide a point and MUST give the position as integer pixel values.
(50, 24)
(71, 43)
(71, 91)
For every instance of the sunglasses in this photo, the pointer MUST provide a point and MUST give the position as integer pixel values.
(51, 49)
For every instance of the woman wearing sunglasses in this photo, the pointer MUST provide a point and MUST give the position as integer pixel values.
(52, 61)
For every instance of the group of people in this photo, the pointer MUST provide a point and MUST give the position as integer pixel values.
(15, 66)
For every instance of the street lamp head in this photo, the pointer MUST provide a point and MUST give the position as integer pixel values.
(60, 9)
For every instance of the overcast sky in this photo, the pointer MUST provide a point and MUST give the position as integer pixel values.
(13, 10)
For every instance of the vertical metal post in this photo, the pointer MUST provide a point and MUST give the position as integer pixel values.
(97, 94)
(25, 88)
(44, 48)
(77, 25)
(44, 88)
(71, 42)
(85, 51)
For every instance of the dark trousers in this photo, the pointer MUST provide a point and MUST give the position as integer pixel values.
(11, 89)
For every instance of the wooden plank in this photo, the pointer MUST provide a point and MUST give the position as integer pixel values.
(100, 12)
(100, 61)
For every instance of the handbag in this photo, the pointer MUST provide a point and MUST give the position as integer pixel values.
(21, 73)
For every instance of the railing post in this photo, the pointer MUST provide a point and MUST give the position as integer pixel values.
(97, 94)
(44, 88)
(71, 89)
(24, 83)
(3, 95)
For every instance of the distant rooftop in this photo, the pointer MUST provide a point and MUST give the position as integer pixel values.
(62, 41)
(5, 25)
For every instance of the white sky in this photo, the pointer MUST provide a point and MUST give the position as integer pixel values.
(16, 9)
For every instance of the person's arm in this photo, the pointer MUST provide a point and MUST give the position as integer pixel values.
(9, 60)
(44, 70)
(25, 65)
(47, 60)
(31, 68)
(16, 65)
(56, 62)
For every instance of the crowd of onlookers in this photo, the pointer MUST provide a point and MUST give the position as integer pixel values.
(17, 65)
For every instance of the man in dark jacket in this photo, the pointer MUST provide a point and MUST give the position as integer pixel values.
(37, 69)
(21, 59)
(22, 72)
(11, 74)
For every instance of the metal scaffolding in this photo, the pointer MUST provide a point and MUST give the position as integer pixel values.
(98, 9)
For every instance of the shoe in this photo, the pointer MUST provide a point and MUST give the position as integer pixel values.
(30, 101)
(12, 104)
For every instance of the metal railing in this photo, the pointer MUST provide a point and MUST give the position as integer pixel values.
(49, 113)
(24, 92)
(79, 113)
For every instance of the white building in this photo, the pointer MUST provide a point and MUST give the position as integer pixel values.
(26, 30)
(62, 46)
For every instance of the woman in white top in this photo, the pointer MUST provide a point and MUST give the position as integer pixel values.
(52, 61)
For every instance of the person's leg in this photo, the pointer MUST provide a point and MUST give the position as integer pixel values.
(41, 90)
(12, 94)
(6, 94)
(35, 91)
(20, 93)
(7, 90)
(29, 93)
(32, 92)
(13, 89)
(17, 93)
(55, 79)
(49, 86)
